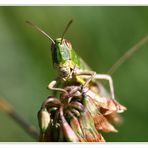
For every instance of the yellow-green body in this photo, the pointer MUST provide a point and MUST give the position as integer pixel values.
(66, 61)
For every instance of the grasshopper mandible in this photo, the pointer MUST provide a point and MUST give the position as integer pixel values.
(69, 66)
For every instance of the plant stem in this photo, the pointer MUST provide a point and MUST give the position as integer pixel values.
(127, 55)
(8, 109)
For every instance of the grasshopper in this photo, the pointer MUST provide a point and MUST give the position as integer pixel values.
(76, 76)
(70, 67)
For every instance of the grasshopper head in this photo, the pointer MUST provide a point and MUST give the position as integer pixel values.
(62, 57)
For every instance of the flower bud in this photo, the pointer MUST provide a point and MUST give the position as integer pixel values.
(43, 119)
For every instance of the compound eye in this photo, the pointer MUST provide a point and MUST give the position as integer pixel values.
(68, 44)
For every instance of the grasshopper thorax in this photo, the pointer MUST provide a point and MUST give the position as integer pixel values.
(62, 57)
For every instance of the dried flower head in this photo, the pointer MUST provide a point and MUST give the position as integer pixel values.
(78, 116)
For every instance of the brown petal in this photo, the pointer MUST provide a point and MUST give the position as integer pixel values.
(91, 138)
(114, 118)
(101, 123)
(120, 108)
(110, 105)
(88, 128)
(74, 122)
(67, 130)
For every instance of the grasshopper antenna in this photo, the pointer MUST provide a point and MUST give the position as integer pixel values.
(40, 30)
(127, 55)
(68, 25)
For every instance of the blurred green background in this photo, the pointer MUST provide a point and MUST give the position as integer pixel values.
(99, 34)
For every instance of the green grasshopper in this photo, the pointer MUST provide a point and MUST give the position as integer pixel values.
(69, 66)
